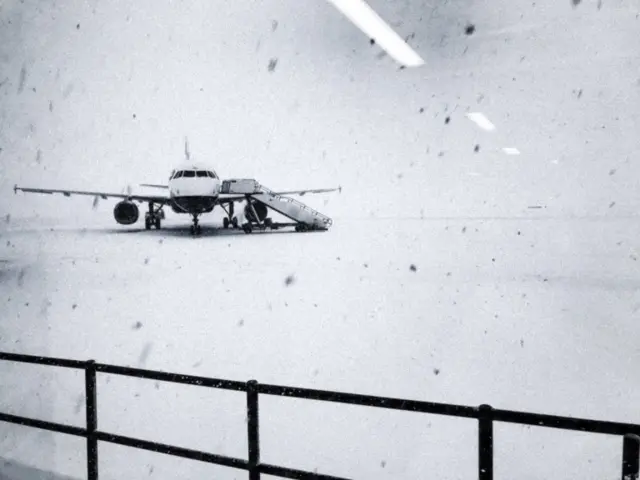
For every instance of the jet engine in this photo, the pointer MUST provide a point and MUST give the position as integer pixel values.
(260, 208)
(126, 213)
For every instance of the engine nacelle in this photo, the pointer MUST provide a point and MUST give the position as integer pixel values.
(126, 213)
(260, 208)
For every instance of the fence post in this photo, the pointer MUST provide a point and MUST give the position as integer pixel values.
(630, 457)
(485, 442)
(253, 430)
(92, 419)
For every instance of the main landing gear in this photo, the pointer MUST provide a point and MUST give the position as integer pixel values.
(195, 229)
(230, 219)
(226, 223)
(153, 217)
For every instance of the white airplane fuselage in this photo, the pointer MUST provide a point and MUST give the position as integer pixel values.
(193, 189)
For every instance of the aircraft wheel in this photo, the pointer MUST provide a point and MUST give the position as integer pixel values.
(198, 229)
(147, 223)
(247, 228)
(225, 222)
(234, 222)
(158, 224)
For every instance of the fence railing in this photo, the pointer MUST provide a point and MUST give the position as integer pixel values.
(484, 414)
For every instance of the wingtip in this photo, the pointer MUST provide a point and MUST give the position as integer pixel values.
(15, 189)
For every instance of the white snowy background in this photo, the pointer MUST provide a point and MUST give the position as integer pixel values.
(528, 309)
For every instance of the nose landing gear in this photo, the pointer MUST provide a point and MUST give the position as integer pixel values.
(195, 229)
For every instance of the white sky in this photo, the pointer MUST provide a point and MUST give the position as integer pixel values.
(332, 111)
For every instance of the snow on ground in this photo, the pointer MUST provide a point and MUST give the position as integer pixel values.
(537, 314)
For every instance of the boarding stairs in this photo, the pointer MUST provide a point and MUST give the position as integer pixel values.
(295, 210)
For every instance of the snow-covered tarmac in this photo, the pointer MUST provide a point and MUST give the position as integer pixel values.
(535, 314)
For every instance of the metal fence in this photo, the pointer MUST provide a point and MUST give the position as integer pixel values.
(485, 415)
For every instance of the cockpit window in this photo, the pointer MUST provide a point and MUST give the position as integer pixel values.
(192, 173)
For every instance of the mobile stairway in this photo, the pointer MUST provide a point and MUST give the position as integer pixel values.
(304, 218)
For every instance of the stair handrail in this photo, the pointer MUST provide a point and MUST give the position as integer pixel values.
(325, 218)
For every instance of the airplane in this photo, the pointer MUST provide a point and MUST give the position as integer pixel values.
(195, 189)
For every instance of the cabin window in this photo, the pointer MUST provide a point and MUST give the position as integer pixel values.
(201, 173)
(189, 173)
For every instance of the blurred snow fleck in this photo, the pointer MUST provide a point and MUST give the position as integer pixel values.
(67, 90)
(23, 79)
(144, 355)
(44, 308)
(79, 402)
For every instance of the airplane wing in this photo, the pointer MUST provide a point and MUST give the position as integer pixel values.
(67, 193)
(229, 198)
(304, 192)
(289, 192)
